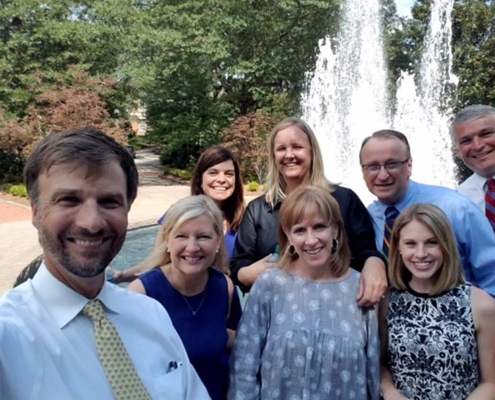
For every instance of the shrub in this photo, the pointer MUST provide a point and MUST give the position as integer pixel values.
(11, 165)
(247, 137)
(179, 173)
(6, 186)
(18, 190)
(139, 142)
(253, 186)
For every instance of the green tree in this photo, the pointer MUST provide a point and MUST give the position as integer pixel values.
(247, 138)
(51, 35)
(214, 60)
(74, 100)
(474, 52)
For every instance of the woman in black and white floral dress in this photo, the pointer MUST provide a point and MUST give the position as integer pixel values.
(437, 331)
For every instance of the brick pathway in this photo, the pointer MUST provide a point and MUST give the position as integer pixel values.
(11, 212)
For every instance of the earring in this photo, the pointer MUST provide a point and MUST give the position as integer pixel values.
(291, 250)
(168, 250)
(335, 245)
(216, 251)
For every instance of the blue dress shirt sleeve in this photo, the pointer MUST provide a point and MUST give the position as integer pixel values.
(476, 244)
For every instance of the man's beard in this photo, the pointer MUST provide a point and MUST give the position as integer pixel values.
(94, 262)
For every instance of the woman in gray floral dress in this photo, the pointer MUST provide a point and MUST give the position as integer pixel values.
(302, 334)
(438, 332)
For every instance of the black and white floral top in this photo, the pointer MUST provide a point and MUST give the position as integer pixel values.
(432, 347)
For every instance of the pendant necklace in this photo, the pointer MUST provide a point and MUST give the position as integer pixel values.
(194, 312)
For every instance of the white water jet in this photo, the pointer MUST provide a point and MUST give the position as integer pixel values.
(423, 112)
(347, 97)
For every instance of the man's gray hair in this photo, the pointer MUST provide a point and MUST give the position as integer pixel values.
(468, 114)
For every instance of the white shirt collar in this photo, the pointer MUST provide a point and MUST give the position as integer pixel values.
(64, 303)
(479, 181)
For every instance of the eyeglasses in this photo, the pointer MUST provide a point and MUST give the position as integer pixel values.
(389, 166)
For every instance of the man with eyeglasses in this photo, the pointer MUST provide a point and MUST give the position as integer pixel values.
(386, 163)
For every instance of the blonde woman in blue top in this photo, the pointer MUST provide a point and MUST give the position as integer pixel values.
(186, 275)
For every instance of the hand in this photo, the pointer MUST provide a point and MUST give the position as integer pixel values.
(119, 276)
(373, 284)
(247, 275)
(122, 276)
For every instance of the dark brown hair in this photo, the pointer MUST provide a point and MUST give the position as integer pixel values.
(82, 147)
(233, 207)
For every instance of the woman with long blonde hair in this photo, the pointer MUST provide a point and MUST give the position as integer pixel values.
(295, 161)
(187, 276)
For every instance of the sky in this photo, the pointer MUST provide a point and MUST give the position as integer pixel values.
(404, 7)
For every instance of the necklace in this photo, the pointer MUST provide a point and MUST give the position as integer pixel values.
(194, 312)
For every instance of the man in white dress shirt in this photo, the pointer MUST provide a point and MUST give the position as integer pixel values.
(81, 185)
(473, 131)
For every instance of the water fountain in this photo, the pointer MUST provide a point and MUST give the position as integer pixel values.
(347, 96)
(423, 112)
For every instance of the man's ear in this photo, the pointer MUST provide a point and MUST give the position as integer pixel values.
(35, 215)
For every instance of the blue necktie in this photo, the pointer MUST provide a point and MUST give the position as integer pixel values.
(391, 213)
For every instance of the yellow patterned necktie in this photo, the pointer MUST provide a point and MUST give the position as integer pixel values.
(119, 369)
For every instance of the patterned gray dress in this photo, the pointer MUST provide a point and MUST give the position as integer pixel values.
(432, 347)
(300, 339)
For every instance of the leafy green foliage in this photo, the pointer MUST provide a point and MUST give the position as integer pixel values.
(11, 165)
(179, 173)
(18, 190)
(54, 34)
(474, 52)
(247, 137)
(212, 61)
(253, 186)
(73, 100)
(139, 142)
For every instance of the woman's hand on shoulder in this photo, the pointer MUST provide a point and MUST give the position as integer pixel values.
(248, 275)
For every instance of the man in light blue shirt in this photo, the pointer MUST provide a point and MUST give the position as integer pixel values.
(386, 163)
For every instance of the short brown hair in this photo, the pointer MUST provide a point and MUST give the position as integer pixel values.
(307, 202)
(387, 134)
(83, 147)
(450, 273)
(233, 207)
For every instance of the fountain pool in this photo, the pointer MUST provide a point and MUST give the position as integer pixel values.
(137, 246)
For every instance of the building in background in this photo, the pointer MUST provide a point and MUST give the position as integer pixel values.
(138, 120)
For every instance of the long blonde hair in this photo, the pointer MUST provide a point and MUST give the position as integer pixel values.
(182, 211)
(309, 202)
(275, 181)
